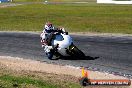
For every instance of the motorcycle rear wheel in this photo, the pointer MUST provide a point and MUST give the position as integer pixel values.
(76, 52)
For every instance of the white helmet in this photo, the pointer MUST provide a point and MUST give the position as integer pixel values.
(49, 26)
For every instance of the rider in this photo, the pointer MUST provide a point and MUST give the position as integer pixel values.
(48, 34)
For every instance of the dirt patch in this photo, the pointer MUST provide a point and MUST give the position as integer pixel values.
(57, 74)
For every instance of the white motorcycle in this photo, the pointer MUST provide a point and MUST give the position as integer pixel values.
(62, 45)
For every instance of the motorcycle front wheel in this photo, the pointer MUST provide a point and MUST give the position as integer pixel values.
(49, 55)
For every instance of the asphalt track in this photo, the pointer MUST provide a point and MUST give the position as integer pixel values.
(114, 53)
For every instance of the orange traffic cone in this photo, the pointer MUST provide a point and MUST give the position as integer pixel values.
(84, 73)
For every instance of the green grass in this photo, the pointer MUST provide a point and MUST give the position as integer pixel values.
(74, 17)
(25, 79)
(8, 81)
(53, 0)
(71, 0)
(28, 0)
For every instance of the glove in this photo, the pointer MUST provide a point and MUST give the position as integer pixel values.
(63, 30)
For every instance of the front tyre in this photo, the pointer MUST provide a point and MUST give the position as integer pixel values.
(49, 55)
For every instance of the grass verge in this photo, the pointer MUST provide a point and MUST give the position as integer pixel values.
(74, 17)
(27, 79)
(54, 0)
(22, 82)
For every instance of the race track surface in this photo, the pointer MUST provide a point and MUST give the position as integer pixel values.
(114, 53)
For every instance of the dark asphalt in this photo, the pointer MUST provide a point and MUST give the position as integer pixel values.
(115, 53)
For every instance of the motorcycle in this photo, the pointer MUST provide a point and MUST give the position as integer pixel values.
(62, 45)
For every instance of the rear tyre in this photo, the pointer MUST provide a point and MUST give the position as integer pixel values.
(58, 55)
(76, 52)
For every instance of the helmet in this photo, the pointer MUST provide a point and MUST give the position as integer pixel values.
(49, 26)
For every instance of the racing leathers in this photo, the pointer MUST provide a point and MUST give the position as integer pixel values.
(46, 37)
